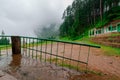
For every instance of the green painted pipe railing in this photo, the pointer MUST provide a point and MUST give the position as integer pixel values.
(63, 53)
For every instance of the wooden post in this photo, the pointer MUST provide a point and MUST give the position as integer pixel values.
(16, 45)
(16, 60)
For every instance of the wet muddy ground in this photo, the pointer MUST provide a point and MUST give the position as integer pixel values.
(25, 68)
(101, 67)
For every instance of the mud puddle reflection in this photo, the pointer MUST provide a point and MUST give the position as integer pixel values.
(25, 68)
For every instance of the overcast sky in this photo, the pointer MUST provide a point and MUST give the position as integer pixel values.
(21, 17)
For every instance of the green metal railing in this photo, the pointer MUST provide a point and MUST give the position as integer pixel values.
(61, 53)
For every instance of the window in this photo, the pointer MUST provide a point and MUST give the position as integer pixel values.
(109, 28)
(114, 28)
(99, 31)
(118, 27)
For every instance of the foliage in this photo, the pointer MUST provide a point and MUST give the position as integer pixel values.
(111, 51)
(83, 15)
(113, 13)
(4, 41)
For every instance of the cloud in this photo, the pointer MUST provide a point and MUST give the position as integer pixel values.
(21, 17)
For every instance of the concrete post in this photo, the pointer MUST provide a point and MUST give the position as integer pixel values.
(16, 45)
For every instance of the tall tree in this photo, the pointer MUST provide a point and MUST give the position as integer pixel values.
(84, 14)
(101, 9)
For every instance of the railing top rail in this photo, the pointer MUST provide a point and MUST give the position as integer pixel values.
(5, 35)
(69, 42)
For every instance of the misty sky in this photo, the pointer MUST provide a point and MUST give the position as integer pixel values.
(21, 17)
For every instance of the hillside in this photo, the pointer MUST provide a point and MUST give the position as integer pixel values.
(84, 15)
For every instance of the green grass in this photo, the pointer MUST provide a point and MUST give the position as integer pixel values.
(3, 47)
(108, 50)
(86, 40)
(112, 35)
(53, 59)
(68, 66)
(65, 39)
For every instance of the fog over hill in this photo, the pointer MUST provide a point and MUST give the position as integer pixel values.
(21, 17)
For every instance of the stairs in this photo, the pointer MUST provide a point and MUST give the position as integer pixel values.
(113, 41)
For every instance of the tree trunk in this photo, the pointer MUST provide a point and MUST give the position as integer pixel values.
(94, 16)
(101, 10)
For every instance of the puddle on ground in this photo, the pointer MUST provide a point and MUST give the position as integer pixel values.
(26, 68)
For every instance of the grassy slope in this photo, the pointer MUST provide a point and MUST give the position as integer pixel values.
(111, 51)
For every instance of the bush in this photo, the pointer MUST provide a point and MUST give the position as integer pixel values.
(4, 41)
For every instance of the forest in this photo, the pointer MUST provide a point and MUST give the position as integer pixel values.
(84, 15)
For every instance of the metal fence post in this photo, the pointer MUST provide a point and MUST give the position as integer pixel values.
(16, 45)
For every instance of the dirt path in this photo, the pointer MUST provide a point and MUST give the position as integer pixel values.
(106, 64)
(109, 66)
(106, 67)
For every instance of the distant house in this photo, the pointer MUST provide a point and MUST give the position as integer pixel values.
(113, 27)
